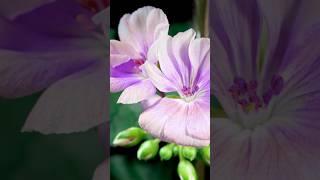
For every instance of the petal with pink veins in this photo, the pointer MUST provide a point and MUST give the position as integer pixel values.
(137, 92)
(167, 120)
(61, 109)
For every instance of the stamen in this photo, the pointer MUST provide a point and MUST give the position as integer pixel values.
(245, 94)
(189, 91)
(138, 62)
(277, 84)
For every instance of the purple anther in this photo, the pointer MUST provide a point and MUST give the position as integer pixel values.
(277, 84)
(267, 97)
(243, 102)
(188, 91)
(234, 91)
(252, 86)
(241, 84)
(253, 97)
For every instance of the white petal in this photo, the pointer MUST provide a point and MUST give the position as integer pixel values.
(167, 120)
(137, 92)
(73, 104)
(13, 8)
(121, 52)
(101, 172)
(158, 78)
(142, 27)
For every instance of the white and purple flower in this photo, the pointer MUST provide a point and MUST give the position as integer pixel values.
(265, 76)
(184, 68)
(57, 46)
(138, 32)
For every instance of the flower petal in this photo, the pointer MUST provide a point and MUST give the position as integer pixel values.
(236, 25)
(120, 83)
(180, 48)
(198, 119)
(67, 22)
(137, 92)
(73, 104)
(121, 52)
(143, 27)
(158, 78)
(101, 172)
(167, 120)
(199, 53)
(15, 8)
(167, 61)
(25, 73)
(150, 101)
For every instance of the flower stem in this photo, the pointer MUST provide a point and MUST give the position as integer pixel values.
(202, 17)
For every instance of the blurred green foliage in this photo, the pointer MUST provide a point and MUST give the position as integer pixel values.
(33, 156)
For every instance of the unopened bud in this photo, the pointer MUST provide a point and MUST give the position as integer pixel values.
(205, 154)
(175, 150)
(148, 149)
(129, 137)
(166, 152)
(186, 170)
(189, 152)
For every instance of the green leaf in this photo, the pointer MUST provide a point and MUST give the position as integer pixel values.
(125, 167)
(179, 27)
(122, 116)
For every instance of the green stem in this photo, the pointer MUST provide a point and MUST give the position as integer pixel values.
(200, 168)
(180, 153)
(202, 17)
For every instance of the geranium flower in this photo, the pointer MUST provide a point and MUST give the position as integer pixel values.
(138, 32)
(62, 48)
(185, 66)
(265, 72)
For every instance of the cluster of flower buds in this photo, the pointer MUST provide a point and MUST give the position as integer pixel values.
(149, 149)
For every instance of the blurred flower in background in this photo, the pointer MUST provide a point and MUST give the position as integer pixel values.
(265, 70)
(61, 47)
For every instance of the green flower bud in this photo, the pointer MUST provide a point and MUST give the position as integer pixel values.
(205, 154)
(148, 149)
(189, 152)
(129, 137)
(166, 152)
(175, 150)
(186, 170)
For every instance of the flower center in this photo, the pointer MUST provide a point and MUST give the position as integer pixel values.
(189, 91)
(245, 93)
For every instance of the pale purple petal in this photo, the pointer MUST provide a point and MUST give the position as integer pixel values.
(26, 73)
(153, 53)
(13, 8)
(121, 52)
(137, 92)
(142, 28)
(72, 20)
(150, 101)
(168, 64)
(180, 48)
(83, 94)
(198, 119)
(199, 53)
(120, 83)
(167, 120)
(158, 79)
(236, 25)
(101, 172)
(280, 149)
